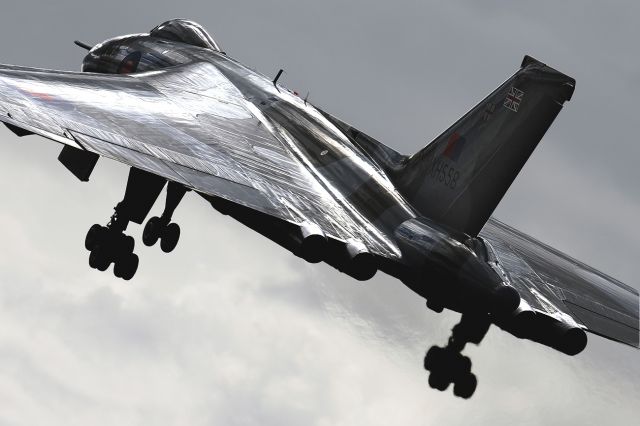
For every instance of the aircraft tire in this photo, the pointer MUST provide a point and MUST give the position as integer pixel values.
(466, 386)
(438, 380)
(433, 358)
(462, 366)
(128, 244)
(93, 237)
(98, 259)
(117, 269)
(151, 232)
(126, 267)
(93, 260)
(131, 267)
(170, 237)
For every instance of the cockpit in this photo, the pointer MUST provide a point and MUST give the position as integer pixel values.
(185, 31)
(164, 46)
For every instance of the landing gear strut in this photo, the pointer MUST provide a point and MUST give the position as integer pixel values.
(447, 365)
(109, 244)
(161, 228)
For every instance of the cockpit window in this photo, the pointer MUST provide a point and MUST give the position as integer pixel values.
(185, 31)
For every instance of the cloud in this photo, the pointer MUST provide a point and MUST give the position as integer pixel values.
(198, 338)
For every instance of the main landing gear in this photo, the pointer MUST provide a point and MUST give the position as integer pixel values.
(109, 244)
(161, 228)
(447, 365)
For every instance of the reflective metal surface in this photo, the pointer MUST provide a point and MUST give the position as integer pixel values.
(184, 31)
(172, 104)
(195, 125)
(557, 285)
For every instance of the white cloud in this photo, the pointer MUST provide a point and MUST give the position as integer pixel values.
(202, 336)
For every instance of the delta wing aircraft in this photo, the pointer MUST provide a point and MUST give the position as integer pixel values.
(186, 116)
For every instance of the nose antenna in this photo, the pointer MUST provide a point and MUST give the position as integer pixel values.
(82, 45)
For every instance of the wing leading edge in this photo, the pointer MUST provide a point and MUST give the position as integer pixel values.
(188, 124)
(220, 148)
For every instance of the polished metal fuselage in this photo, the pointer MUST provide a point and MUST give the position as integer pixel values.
(358, 192)
(356, 183)
(197, 117)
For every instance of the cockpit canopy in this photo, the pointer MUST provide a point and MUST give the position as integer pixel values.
(185, 31)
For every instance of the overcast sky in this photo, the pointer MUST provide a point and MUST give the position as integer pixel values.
(231, 329)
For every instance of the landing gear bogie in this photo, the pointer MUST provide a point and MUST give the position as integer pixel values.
(109, 244)
(161, 229)
(447, 365)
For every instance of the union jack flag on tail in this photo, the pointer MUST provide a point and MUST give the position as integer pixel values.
(514, 97)
(470, 166)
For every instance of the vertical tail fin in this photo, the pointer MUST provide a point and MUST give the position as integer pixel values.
(460, 177)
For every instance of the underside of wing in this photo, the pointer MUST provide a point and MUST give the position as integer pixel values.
(555, 284)
(188, 124)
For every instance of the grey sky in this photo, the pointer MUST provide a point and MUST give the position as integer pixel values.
(230, 329)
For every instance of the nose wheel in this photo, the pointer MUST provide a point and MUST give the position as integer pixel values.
(447, 365)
